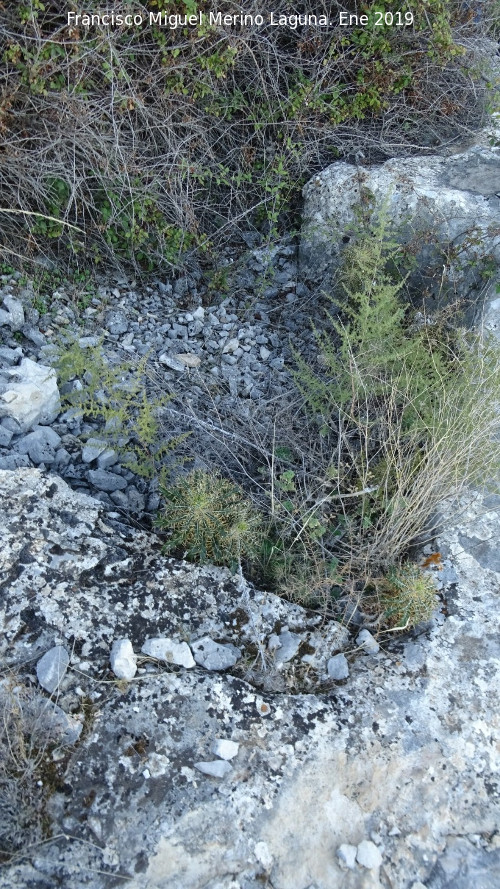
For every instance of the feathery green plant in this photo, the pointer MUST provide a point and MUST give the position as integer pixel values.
(373, 344)
(409, 410)
(117, 395)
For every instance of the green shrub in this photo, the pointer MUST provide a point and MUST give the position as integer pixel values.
(374, 352)
(210, 519)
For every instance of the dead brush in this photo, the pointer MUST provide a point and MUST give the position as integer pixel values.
(154, 147)
(23, 821)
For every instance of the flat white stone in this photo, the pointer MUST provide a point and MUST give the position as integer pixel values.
(368, 855)
(31, 395)
(123, 660)
(225, 749)
(367, 642)
(347, 855)
(178, 653)
(214, 655)
(218, 768)
(337, 667)
(51, 668)
(263, 855)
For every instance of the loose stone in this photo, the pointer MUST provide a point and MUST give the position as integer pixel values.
(106, 481)
(347, 855)
(368, 855)
(51, 668)
(216, 769)
(337, 667)
(172, 652)
(367, 642)
(289, 646)
(225, 749)
(213, 655)
(123, 660)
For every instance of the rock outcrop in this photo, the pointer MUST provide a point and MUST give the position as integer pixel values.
(235, 776)
(447, 210)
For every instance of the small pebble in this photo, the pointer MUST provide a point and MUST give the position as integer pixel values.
(347, 855)
(225, 749)
(218, 768)
(368, 855)
(123, 660)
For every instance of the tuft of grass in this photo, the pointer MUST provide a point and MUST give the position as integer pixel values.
(28, 773)
(407, 597)
(210, 519)
(409, 411)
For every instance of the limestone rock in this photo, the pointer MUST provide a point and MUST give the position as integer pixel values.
(12, 313)
(172, 652)
(263, 855)
(225, 748)
(347, 855)
(216, 769)
(214, 655)
(29, 394)
(172, 363)
(451, 197)
(41, 445)
(123, 660)
(315, 771)
(289, 644)
(367, 642)
(51, 668)
(337, 667)
(93, 449)
(116, 322)
(188, 359)
(368, 855)
(106, 481)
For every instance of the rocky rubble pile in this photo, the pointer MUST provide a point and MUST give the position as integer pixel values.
(222, 357)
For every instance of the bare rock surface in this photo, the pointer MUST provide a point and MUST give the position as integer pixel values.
(400, 761)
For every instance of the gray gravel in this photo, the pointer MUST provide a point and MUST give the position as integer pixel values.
(218, 355)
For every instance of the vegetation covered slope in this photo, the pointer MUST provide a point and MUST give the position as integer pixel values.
(152, 140)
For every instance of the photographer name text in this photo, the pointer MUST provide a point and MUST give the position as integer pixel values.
(243, 20)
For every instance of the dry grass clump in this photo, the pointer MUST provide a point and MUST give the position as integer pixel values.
(154, 141)
(23, 790)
